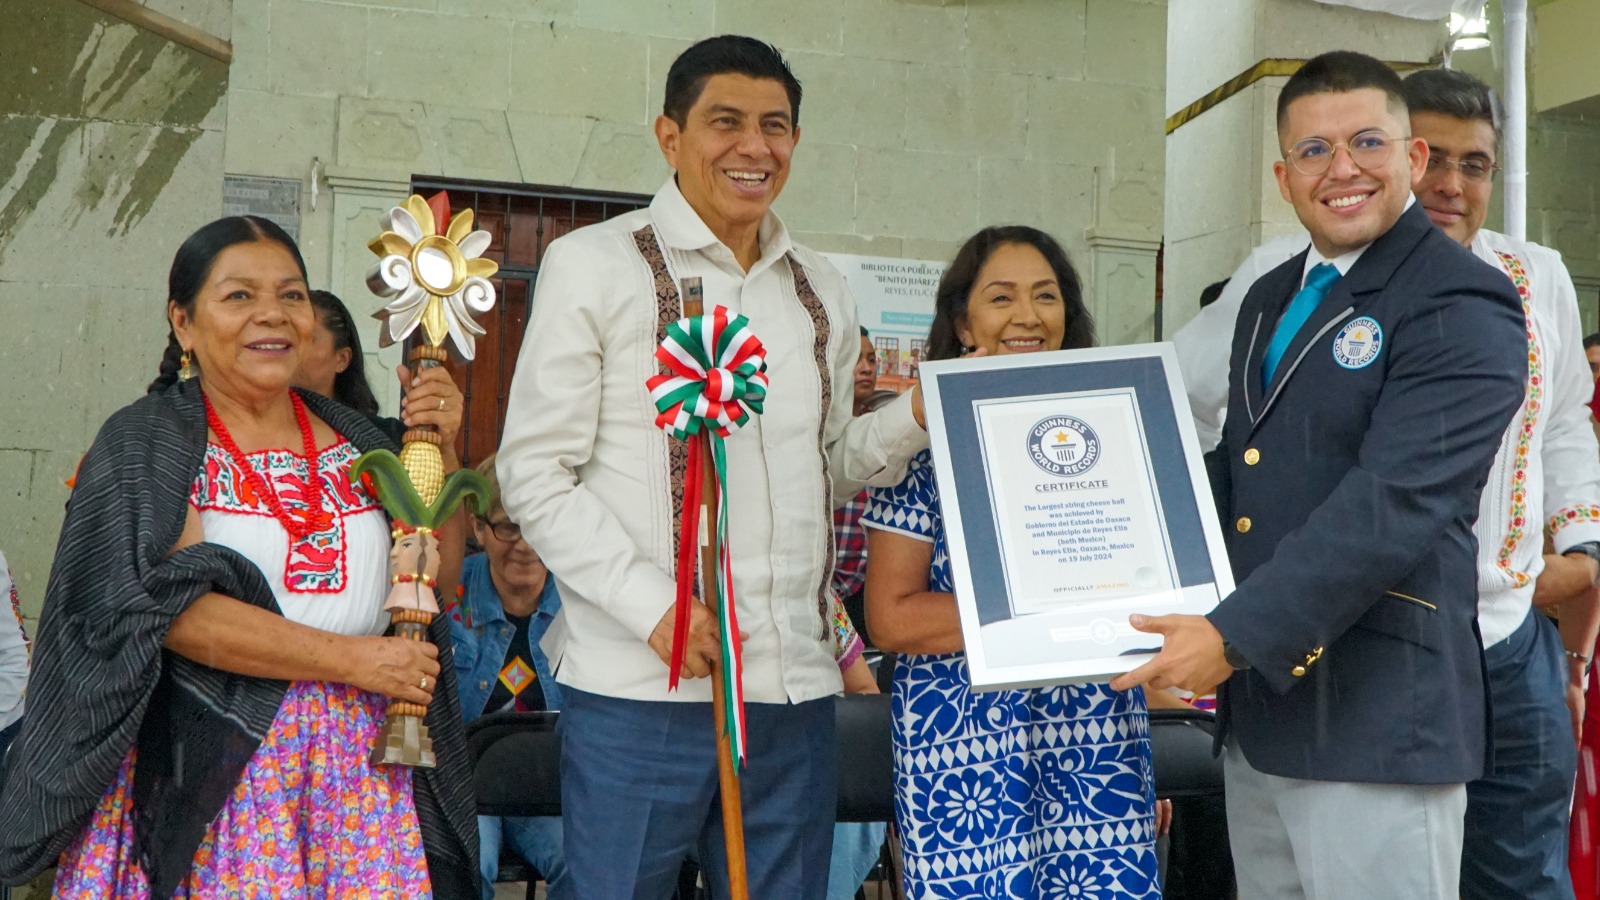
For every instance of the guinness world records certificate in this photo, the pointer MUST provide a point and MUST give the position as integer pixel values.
(1073, 494)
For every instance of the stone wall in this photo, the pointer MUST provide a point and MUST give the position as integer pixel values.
(1222, 199)
(110, 152)
(1563, 160)
(921, 121)
(1563, 179)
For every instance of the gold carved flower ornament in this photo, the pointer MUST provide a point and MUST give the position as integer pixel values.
(437, 280)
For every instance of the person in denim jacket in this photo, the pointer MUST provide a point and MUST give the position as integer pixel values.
(508, 600)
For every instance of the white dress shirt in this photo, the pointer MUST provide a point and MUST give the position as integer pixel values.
(1343, 263)
(1560, 465)
(582, 465)
(13, 652)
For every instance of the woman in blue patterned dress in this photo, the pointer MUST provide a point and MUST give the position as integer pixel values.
(1034, 793)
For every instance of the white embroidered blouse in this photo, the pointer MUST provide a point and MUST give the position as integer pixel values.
(335, 579)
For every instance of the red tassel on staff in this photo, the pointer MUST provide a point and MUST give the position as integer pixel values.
(688, 542)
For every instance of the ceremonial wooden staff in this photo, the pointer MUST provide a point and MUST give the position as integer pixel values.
(727, 772)
(437, 280)
(717, 381)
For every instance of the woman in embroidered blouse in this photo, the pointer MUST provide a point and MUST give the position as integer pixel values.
(1037, 793)
(273, 690)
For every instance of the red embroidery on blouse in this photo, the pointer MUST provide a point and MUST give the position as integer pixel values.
(1518, 273)
(318, 563)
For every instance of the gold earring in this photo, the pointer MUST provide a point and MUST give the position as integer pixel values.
(185, 370)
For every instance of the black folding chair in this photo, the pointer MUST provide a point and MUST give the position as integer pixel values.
(882, 669)
(1189, 774)
(1181, 742)
(866, 758)
(516, 771)
(866, 774)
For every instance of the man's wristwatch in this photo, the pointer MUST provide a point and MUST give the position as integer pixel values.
(1231, 654)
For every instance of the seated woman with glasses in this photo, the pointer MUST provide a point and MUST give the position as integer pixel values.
(508, 601)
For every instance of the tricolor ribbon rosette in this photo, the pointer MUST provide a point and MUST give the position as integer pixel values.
(717, 381)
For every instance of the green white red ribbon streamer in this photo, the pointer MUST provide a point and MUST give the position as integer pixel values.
(717, 381)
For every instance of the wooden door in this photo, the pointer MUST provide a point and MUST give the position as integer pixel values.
(522, 220)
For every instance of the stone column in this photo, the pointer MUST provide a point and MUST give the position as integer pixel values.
(359, 204)
(1221, 197)
(1123, 241)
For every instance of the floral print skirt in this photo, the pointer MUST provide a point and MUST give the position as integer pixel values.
(309, 819)
(1022, 794)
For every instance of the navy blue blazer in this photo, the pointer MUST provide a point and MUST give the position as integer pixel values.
(1348, 489)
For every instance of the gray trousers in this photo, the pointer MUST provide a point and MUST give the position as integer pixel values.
(1330, 840)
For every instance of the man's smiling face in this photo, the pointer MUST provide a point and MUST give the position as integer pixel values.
(1348, 207)
(1455, 204)
(732, 150)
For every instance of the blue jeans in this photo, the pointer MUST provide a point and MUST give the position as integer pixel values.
(856, 846)
(1515, 843)
(639, 790)
(536, 840)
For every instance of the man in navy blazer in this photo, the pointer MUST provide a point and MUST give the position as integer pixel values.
(1371, 380)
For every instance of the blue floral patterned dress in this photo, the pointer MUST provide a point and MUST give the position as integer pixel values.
(1040, 793)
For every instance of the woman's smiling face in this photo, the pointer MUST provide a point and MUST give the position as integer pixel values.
(250, 320)
(1015, 305)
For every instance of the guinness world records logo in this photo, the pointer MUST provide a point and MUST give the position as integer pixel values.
(1358, 343)
(1063, 446)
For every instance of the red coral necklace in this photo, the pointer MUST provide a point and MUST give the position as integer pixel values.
(299, 525)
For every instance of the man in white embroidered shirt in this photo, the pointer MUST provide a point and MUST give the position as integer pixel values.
(1516, 827)
(596, 486)
(1546, 475)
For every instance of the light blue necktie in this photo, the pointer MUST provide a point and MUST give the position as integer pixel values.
(1319, 280)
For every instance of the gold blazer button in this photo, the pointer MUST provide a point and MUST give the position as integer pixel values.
(1243, 525)
(1298, 671)
(1252, 456)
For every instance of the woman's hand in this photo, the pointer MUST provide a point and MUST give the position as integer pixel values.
(858, 679)
(398, 668)
(432, 398)
(917, 410)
